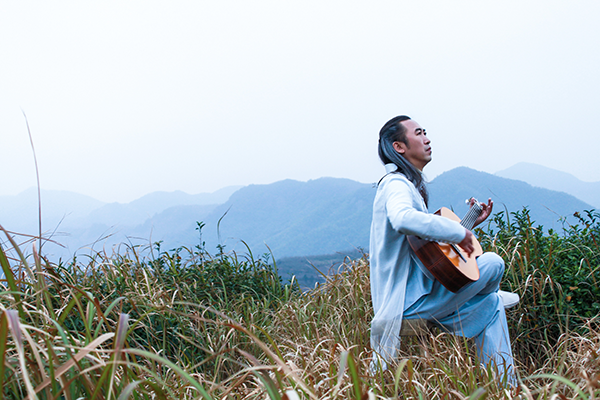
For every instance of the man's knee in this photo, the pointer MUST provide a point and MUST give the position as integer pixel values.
(491, 264)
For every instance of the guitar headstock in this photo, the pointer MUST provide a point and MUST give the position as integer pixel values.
(475, 202)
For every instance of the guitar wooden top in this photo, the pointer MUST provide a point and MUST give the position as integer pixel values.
(447, 263)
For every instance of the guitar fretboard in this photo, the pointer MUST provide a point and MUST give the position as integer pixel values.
(469, 219)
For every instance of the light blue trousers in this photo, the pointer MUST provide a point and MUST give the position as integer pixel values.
(475, 311)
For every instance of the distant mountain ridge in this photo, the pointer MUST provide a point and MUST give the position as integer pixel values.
(289, 218)
(78, 220)
(22, 209)
(329, 215)
(295, 218)
(537, 175)
(452, 188)
(144, 208)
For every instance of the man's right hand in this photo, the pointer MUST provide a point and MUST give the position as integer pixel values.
(467, 243)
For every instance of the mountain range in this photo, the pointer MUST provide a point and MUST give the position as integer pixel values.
(547, 207)
(286, 218)
(549, 178)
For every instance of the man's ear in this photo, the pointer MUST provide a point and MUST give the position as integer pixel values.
(400, 147)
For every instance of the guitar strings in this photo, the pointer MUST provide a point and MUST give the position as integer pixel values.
(469, 220)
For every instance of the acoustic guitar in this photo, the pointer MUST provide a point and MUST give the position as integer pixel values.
(448, 263)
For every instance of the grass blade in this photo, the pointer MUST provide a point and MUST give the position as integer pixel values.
(15, 329)
(561, 379)
(3, 348)
(356, 381)
(10, 279)
(180, 371)
(94, 345)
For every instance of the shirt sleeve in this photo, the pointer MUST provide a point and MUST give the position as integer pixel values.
(406, 218)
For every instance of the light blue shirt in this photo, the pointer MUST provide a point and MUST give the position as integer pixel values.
(398, 278)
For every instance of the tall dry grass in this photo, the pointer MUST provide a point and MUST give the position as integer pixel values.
(557, 276)
(188, 325)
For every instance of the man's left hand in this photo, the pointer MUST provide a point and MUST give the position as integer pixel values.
(486, 210)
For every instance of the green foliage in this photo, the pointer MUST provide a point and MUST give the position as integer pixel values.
(161, 295)
(220, 280)
(556, 274)
(184, 324)
(164, 316)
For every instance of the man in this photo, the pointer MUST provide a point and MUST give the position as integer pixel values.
(401, 287)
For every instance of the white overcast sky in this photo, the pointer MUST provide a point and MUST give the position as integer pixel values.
(128, 97)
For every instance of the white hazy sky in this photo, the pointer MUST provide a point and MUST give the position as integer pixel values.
(128, 97)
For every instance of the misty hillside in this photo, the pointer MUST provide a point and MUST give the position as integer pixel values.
(549, 178)
(329, 215)
(452, 188)
(291, 218)
(141, 210)
(20, 212)
(80, 222)
(295, 218)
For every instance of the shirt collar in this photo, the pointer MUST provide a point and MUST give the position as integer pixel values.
(391, 167)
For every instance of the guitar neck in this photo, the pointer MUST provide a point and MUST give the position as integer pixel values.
(469, 219)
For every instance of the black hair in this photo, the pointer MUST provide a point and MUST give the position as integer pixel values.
(394, 131)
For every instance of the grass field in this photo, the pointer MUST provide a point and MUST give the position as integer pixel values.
(184, 324)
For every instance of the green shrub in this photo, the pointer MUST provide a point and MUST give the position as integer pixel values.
(169, 296)
(556, 274)
(184, 324)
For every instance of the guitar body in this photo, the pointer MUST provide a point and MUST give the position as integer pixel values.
(443, 261)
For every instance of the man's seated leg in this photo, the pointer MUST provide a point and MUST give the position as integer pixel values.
(493, 345)
(473, 312)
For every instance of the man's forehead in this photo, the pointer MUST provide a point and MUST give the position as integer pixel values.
(412, 125)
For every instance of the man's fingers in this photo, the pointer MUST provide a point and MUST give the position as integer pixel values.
(469, 250)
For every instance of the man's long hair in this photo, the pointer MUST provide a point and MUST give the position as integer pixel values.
(394, 131)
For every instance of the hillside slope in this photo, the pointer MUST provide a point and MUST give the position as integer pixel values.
(295, 218)
(552, 179)
(452, 188)
(291, 218)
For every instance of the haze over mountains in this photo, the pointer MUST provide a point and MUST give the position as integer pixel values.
(292, 218)
(552, 179)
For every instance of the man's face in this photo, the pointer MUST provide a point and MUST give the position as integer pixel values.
(417, 150)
